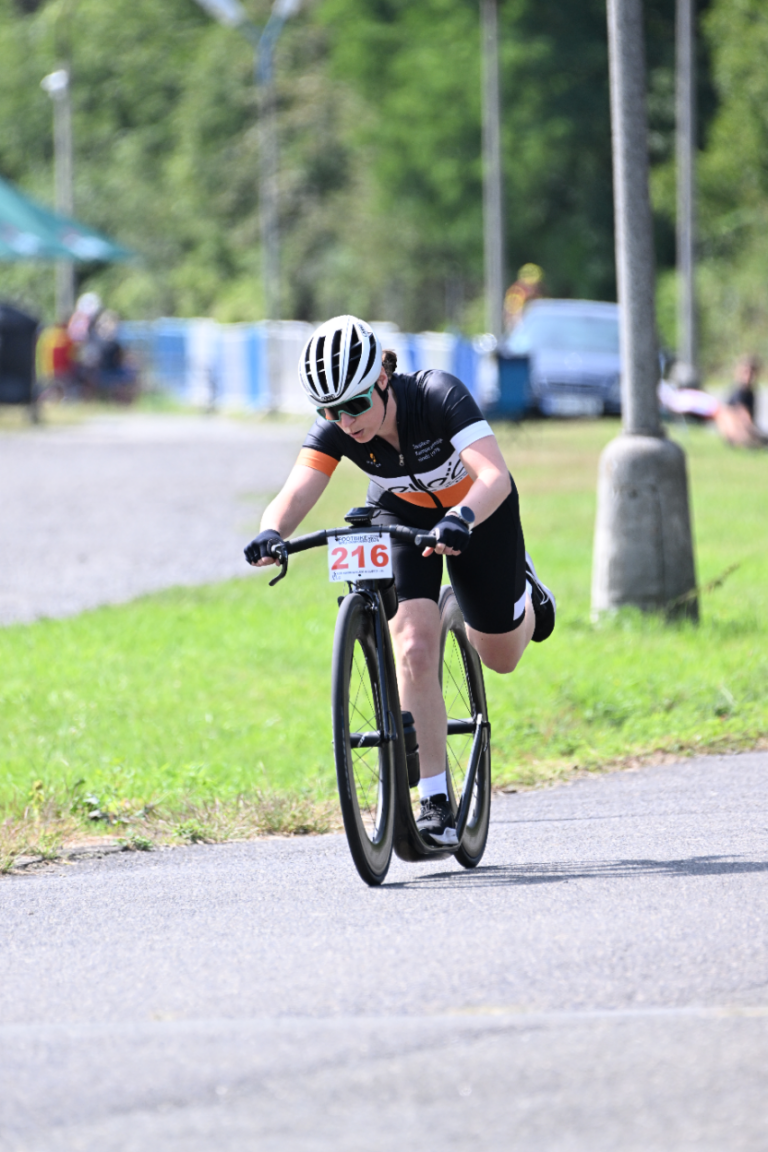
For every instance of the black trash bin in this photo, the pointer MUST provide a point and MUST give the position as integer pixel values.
(18, 335)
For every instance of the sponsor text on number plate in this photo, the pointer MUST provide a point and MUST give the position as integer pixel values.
(359, 556)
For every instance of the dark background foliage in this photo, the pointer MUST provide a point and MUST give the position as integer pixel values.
(380, 180)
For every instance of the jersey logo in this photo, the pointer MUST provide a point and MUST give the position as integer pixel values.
(444, 476)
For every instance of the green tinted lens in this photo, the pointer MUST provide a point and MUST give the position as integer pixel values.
(354, 407)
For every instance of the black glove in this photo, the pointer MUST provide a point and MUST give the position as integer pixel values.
(260, 548)
(452, 532)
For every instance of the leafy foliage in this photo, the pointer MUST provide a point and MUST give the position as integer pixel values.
(380, 174)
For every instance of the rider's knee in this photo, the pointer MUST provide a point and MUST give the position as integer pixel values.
(416, 652)
(501, 662)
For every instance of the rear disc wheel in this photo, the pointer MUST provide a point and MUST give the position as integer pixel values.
(461, 678)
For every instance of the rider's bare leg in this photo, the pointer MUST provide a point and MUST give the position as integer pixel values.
(416, 637)
(502, 651)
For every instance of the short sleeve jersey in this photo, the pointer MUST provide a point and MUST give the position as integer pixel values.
(744, 397)
(437, 419)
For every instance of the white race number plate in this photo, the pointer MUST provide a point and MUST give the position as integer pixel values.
(359, 556)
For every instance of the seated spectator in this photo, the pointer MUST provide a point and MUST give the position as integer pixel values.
(115, 375)
(735, 419)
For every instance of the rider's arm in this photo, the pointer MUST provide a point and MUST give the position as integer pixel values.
(491, 483)
(298, 496)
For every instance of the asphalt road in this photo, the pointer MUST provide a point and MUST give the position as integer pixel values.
(599, 983)
(108, 509)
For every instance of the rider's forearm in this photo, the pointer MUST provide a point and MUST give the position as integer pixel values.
(299, 495)
(491, 483)
(488, 492)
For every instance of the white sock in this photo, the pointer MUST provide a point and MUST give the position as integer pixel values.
(433, 786)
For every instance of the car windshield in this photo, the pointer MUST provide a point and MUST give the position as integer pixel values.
(563, 333)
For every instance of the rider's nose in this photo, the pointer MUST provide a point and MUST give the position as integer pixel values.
(346, 421)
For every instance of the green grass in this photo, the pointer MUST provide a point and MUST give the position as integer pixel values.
(198, 701)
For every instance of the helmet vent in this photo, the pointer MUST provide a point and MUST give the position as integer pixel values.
(355, 352)
(336, 359)
(321, 364)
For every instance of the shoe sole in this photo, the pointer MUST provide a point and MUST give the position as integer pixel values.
(530, 564)
(446, 839)
(550, 601)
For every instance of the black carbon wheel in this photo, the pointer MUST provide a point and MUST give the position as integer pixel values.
(461, 677)
(365, 765)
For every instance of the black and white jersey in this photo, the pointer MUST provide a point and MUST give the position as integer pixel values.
(437, 419)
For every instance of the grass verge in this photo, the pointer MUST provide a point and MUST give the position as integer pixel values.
(204, 713)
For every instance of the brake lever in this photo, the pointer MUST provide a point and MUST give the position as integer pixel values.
(280, 554)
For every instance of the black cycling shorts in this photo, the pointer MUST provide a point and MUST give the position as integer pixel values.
(488, 577)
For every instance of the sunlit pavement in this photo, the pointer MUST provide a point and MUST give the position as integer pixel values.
(599, 983)
(102, 511)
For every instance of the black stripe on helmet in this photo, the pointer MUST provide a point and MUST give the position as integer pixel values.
(355, 354)
(335, 364)
(320, 364)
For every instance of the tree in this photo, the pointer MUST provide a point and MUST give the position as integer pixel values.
(380, 178)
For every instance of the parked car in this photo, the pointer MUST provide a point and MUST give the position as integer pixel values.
(573, 351)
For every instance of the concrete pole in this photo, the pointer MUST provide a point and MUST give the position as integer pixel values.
(686, 370)
(268, 208)
(268, 195)
(57, 85)
(643, 546)
(493, 214)
(635, 265)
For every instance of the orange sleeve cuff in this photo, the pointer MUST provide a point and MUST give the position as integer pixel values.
(317, 460)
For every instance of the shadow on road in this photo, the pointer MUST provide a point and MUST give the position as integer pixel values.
(496, 875)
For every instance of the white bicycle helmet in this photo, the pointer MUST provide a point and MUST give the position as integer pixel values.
(340, 360)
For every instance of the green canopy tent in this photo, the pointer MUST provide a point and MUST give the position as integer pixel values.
(28, 231)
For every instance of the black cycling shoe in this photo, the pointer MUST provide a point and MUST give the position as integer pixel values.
(544, 606)
(436, 822)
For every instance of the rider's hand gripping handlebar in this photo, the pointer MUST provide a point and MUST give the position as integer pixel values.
(282, 549)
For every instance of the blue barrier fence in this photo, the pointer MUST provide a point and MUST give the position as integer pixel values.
(253, 366)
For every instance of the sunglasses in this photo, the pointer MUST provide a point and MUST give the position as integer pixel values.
(354, 407)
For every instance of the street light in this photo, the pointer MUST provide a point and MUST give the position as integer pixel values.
(227, 12)
(56, 84)
(493, 217)
(685, 112)
(231, 14)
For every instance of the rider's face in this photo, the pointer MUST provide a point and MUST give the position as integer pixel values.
(364, 427)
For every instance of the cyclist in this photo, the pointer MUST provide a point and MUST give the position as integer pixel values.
(434, 464)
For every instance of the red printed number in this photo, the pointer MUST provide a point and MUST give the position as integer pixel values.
(341, 559)
(360, 553)
(379, 555)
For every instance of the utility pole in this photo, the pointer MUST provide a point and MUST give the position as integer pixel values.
(493, 213)
(232, 14)
(268, 194)
(57, 85)
(685, 100)
(643, 545)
